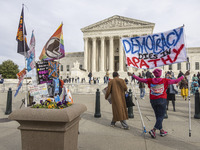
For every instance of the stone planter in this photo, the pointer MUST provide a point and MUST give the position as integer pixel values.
(49, 129)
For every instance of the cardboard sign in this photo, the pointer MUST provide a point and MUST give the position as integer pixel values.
(40, 89)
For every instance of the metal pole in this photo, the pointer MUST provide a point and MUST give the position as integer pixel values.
(9, 102)
(189, 104)
(97, 106)
(197, 105)
(26, 92)
(130, 109)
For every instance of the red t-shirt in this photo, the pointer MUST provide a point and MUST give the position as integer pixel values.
(158, 86)
(158, 89)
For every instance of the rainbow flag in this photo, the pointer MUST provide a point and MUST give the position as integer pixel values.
(54, 48)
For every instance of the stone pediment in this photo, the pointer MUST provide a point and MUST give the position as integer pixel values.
(117, 22)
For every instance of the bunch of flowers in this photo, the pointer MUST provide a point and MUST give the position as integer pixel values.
(49, 104)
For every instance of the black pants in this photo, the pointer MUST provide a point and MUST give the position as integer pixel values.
(173, 104)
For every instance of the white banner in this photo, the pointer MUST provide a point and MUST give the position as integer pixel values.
(155, 50)
(40, 89)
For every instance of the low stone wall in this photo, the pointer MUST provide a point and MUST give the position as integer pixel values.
(12, 83)
(92, 88)
(75, 88)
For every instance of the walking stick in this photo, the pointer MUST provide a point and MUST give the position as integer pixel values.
(138, 106)
(189, 104)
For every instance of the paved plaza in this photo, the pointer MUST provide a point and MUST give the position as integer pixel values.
(96, 134)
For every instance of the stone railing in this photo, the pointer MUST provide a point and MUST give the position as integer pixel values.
(75, 88)
(12, 83)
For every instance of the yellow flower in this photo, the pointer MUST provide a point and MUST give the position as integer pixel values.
(49, 106)
(49, 100)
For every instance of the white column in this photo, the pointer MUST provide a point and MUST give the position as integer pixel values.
(86, 53)
(102, 53)
(121, 56)
(94, 54)
(111, 54)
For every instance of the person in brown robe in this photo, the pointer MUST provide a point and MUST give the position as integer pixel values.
(117, 88)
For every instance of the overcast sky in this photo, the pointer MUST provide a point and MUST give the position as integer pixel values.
(44, 16)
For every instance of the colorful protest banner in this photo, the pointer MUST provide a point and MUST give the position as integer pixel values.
(42, 72)
(54, 48)
(155, 50)
(40, 89)
(21, 76)
(31, 54)
(18, 88)
(53, 69)
(21, 36)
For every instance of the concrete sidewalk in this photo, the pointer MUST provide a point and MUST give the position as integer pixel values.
(96, 134)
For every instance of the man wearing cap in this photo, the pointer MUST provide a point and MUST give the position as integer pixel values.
(158, 97)
(117, 88)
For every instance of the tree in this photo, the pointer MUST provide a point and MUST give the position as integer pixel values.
(9, 69)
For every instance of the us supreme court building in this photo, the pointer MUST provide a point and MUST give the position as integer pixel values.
(103, 50)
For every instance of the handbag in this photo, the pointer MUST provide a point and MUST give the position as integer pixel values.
(129, 101)
(109, 97)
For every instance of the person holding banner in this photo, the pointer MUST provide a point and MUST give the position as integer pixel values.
(158, 97)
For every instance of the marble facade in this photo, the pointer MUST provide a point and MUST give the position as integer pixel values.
(103, 49)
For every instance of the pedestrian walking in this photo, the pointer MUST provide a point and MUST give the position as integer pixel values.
(194, 86)
(184, 88)
(141, 87)
(90, 77)
(171, 91)
(117, 88)
(107, 76)
(158, 97)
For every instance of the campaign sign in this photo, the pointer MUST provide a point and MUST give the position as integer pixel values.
(155, 50)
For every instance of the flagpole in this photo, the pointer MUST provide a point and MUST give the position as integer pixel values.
(58, 57)
(26, 92)
(189, 103)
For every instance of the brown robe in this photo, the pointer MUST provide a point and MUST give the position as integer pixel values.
(117, 88)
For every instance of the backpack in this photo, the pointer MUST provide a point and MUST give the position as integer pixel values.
(195, 85)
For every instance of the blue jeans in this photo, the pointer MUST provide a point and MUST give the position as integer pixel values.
(159, 107)
(142, 92)
(90, 78)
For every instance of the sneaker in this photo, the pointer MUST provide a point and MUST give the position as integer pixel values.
(112, 124)
(163, 132)
(152, 133)
(126, 128)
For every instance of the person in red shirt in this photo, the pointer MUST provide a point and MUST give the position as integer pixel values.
(158, 97)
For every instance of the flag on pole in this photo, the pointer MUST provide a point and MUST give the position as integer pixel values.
(31, 54)
(20, 76)
(54, 48)
(21, 38)
(18, 88)
(155, 50)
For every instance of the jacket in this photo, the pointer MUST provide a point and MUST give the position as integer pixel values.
(117, 88)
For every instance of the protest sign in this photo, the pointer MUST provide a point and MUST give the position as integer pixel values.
(53, 69)
(155, 50)
(42, 72)
(40, 89)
